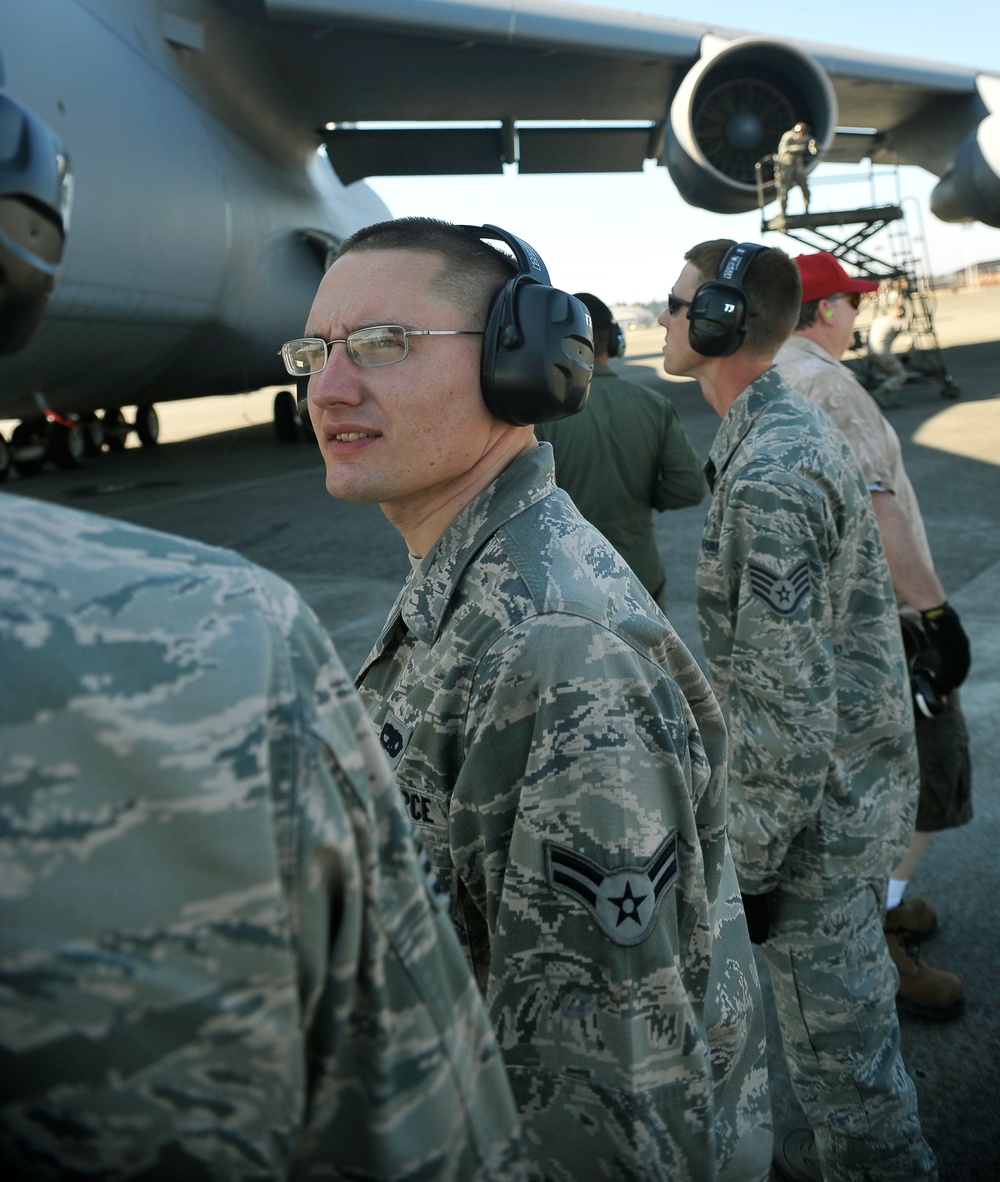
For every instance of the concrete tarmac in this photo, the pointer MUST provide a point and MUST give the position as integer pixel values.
(236, 486)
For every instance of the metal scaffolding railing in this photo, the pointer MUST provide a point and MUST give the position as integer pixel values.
(875, 239)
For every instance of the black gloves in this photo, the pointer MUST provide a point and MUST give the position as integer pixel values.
(948, 639)
(758, 917)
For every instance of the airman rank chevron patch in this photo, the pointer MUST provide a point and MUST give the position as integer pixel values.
(393, 738)
(782, 593)
(623, 902)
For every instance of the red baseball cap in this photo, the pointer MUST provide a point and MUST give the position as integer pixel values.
(823, 276)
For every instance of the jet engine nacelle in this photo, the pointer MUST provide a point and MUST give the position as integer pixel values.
(732, 109)
(970, 192)
(35, 191)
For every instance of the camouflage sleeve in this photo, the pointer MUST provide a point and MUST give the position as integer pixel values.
(779, 685)
(578, 791)
(407, 1079)
(218, 958)
(680, 480)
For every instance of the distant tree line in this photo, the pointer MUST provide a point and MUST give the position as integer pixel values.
(654, 306)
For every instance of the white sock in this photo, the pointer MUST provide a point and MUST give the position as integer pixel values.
(895, 893)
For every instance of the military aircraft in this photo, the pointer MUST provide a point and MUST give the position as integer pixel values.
(219, 150)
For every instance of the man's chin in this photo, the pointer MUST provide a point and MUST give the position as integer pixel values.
(346, 490)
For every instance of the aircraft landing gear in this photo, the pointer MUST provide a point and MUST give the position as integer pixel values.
(28, 445)
(52, 438)
(286, 417)
(66, 440)
(116, 429)
(67, 445)
(92, 429)
(291, 415)
(147, 425)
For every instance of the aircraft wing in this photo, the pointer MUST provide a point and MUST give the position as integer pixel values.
(707, 102)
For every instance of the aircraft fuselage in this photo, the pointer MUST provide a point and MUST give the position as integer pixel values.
(186, 265)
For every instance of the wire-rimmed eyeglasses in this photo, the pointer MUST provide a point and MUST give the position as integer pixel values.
(382, 344)
(675, 303)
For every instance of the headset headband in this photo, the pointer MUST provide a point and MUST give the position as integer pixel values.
(538, 345)
(736, 262)
(525, 255)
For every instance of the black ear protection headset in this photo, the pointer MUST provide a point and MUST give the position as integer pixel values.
(603, 324)
(538, 346)
(616, 340)
(719, 315)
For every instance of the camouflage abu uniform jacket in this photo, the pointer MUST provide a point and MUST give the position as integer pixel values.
(219, 957)
(800, 629)
(563, 757)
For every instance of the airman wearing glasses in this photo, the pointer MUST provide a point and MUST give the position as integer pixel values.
(798, 620)
(557, 746)
(810, 362)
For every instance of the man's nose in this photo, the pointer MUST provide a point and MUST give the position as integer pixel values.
(336, 381)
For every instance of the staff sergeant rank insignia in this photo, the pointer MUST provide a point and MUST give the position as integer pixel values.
(783, 593)
(624, 902)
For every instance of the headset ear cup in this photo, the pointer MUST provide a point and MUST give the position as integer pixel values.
(538, 354)
(498, 313)
(720, 311)
(717, 320)
(616, 340)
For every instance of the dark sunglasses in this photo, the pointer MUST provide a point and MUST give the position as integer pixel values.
(675, 303)
(853, 298)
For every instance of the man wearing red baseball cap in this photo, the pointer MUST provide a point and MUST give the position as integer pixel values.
(809, 361)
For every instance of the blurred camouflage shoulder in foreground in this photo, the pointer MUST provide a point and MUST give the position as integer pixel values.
(219, 958)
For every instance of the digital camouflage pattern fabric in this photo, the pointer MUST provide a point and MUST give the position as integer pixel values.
(564, 760)
(798, 619)
(800, 629)
(835, 991)
(220, 956)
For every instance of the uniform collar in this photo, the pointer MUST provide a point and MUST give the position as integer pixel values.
(427, 594)
(739, 419)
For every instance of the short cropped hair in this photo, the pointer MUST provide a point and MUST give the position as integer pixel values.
(773, 287)
(472, 271)
(807, 315)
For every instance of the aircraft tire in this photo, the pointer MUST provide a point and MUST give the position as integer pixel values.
(302, 402)
(305, 422)
(4, 459)
(116, 429)
(24, 435)
(67, 446)
(147, 425)
(286, 417)
(93, 434)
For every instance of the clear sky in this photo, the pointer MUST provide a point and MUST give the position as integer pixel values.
(622, 235)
